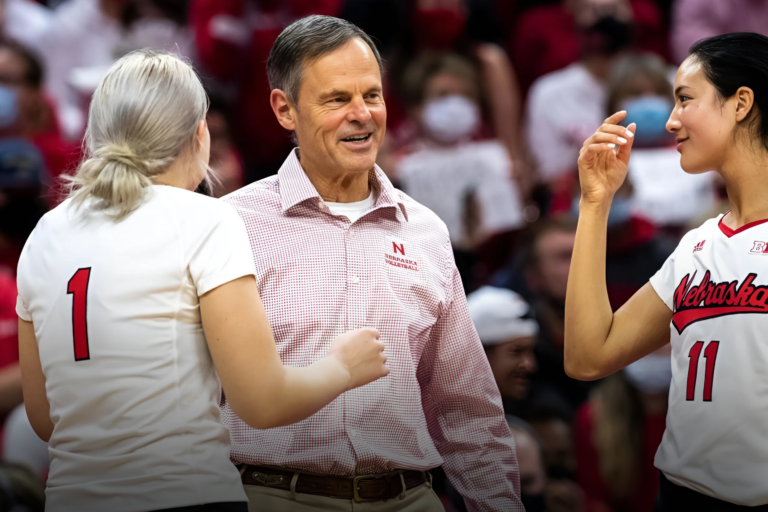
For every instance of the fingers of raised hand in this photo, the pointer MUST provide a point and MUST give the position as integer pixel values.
(617, 130)
(606, 138)
(595, 149)
(615, 118)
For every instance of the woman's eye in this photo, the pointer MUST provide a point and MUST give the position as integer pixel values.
(683, 99)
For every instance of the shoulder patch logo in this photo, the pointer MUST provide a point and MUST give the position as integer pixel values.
(699, 246)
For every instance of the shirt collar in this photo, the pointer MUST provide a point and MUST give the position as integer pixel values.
(295, 187)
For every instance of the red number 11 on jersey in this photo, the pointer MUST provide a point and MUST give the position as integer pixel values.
(710, 354)
(78, 287)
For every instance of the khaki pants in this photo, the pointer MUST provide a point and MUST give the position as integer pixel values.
(266, 499)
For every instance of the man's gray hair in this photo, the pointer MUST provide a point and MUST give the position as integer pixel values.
(304, 41)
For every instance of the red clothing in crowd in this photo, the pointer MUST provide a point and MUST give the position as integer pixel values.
(233, 43)
(9, 328)
(9, 348)
(588, 472)
(546, 40)
(60, 155)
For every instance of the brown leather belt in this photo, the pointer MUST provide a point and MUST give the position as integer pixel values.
(359, 488)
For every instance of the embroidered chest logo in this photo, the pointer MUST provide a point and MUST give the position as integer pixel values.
(397, 257)
(711, 300)
(699, 246)
(759, 247)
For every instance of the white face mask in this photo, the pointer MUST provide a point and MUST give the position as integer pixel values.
(451, 118)
(650, 375)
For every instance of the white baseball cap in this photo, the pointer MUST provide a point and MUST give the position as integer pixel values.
(499, 315)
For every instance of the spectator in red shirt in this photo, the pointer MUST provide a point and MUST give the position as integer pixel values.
(618, 432)
(550, 37)
(10, 374)
(34, 118)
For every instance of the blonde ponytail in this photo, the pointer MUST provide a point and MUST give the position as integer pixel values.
(143, 116)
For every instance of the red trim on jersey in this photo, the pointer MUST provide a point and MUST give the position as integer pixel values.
(730, 232)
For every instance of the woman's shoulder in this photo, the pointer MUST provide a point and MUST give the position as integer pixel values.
(190, 203)
(194, 214)
(706, 228)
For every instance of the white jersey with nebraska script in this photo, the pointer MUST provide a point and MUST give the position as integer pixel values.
(134, 396)
(716, 284)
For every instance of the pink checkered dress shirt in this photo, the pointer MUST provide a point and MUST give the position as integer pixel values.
(320, 276)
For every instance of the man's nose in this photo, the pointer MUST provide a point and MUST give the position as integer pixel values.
(529, 363)
(358, 111)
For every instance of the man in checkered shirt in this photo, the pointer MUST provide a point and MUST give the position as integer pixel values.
(337, 247)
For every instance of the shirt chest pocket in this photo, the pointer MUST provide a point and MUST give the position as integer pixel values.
(413, 283)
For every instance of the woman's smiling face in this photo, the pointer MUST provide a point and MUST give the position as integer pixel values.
(701, 120)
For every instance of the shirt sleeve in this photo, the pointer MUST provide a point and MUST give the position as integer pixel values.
(664, 281)
(22, 283)
(22, 311)
(464, 412)
(223, 253)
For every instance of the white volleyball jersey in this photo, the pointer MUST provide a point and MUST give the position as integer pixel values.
(716, 284)
(133, 393)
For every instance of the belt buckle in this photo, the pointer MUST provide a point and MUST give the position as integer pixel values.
(266, 479)
(356, 491)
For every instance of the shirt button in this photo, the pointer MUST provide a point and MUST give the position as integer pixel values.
(355, 279)
(353, 432)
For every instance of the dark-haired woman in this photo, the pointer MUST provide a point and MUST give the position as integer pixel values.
(710, 299)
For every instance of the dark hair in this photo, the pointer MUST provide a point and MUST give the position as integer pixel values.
(623, 78)
(33, 69)
(558, 224)
(305, 41)
(730, 61)
(421, 70)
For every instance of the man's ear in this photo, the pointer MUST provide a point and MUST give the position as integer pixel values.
(745, 100)
(283, 109)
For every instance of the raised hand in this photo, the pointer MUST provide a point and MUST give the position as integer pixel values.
(362, 355)
(604, 158)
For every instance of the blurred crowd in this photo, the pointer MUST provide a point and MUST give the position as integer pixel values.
(489, 102)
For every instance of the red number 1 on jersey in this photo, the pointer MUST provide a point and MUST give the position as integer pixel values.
(710, 354)
(78, 287)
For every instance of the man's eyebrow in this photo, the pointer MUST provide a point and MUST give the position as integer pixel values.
(338, 92)
(680, 88)
(333, 93)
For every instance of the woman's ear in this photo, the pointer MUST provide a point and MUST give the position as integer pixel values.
(202, 127)
(203, 145)
(745, 100)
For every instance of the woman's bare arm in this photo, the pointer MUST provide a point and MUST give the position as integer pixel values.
(262, 391)
(597, 341)
(33, 381)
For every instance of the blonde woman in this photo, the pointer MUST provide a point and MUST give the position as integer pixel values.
(134, 293)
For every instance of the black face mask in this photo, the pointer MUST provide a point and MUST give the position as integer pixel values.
(533, 502)
(607, 36)
(559, 473)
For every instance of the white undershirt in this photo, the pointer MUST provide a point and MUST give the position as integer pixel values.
(352, 211)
